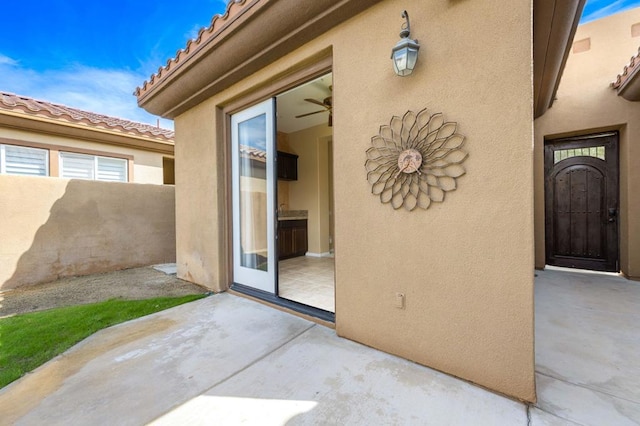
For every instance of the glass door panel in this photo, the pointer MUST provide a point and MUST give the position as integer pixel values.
(253, 193)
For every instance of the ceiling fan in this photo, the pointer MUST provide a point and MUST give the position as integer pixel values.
(326, 103)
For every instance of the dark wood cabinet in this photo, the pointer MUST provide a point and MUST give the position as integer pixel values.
(292, 238)
(287, 166)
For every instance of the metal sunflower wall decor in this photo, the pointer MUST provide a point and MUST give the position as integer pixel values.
(415, 160)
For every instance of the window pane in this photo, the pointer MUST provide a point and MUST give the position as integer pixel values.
(563, 154)
(112, 169)
(76, 166)
(21, 160)
(253, 193)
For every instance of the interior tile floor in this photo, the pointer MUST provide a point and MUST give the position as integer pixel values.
(308, 280)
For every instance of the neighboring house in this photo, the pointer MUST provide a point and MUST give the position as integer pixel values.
(39, 138)
(85, 222)
(587, 151)
(423, 222)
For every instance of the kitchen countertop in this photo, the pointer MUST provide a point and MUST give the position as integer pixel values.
(293, 215)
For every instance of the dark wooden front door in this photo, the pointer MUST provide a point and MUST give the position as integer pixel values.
(581, 202)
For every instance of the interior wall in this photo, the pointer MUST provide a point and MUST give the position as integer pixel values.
(325, 193)
(465, 266)
(587, 104)
(332, 229)
(311, 192)
(282, 141)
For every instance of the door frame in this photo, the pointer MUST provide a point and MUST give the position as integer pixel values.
(316, 66)
(611, 141)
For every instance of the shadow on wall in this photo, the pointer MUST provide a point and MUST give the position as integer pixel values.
(55, 228)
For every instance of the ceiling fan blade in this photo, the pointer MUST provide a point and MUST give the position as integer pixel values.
(311, 113)
(313, 101)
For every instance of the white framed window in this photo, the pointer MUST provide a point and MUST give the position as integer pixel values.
(93, 167)
(22, 160)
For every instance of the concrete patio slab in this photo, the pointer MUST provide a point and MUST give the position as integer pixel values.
(583, 405)
(587, 346)
(542, 418)
(322, 379)
(132, 373)
(167, 268)
(225, 359)
(228, 360)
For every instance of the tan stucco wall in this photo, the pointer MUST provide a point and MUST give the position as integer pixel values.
(466, 265)
(311, 190)
(147, 166)
(55, 228)
(201, 198)
(586, 104)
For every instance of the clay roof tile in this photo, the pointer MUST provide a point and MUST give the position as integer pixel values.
(253, 153)
(31, 106)
(627, 71)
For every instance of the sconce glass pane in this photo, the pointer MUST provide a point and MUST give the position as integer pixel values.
(400, 61)
(412, 59)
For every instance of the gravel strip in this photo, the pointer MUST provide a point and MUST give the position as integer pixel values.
(129, 284)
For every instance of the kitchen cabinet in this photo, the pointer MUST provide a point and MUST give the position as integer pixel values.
(287, 166)
(292, 238)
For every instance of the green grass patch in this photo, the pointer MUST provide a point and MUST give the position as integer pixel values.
(29, 340)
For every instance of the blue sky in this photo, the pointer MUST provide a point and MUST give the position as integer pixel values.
(596, 9)
(93, 54)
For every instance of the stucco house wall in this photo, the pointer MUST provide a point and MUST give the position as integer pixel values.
(35, 123)
(587, 104)
(465, 265)
(147, 166)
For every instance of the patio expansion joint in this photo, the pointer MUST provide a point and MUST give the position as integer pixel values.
(246, 367)
(583, 386)
(556, 415)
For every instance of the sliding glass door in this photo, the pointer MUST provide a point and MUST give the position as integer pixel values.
(253, 197)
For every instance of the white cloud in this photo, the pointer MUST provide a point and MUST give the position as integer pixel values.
(5, 60)
(192, 34)
(102, 91)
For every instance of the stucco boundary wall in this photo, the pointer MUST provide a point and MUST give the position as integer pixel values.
(52, 228)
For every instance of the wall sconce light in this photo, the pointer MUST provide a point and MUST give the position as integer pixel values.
(405, 53)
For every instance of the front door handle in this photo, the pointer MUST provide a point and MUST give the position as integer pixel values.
(613, 212)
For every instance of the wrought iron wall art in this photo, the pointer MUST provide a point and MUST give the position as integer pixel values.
(415, 160)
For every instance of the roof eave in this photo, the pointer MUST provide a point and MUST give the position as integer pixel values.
(629, 86)
(234, 52)
(554, 26)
